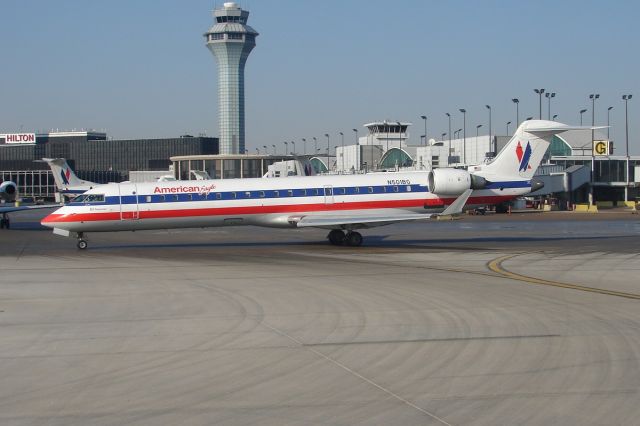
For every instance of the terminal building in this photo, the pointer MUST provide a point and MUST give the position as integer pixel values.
(91, 154)
(566, 170)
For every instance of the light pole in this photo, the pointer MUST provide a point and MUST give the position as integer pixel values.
(424, 117)
(387, 129)
(549, 96)
(327, 135)
(315, 146)
(464, 134)
(358, 150)
(539, 92)
(508, 122)
(554, 117)
(593, 98)
(258, 151)
(608, 114)
(400, 133)
(286, 148)
(449, 149)
(265, 149)
(341, 151)
(274, 149)
(490, 138)
(304, 146)
(582, 111)
(517, 102)
(626, 98)
(477, 129)
(293, 147)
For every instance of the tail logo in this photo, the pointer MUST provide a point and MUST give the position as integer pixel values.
(65, 174)
(524, 156)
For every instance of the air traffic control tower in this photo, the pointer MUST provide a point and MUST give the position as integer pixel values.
(231, 40)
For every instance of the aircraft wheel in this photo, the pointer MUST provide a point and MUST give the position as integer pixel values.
(82, 244)
(336, 237)
(353, 239)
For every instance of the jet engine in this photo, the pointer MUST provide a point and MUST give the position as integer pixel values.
(454, 181)
(8, 191)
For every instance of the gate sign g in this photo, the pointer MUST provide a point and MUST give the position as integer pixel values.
(600, 147)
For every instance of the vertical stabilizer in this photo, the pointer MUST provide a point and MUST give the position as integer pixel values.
(65, 177)
(521, 157)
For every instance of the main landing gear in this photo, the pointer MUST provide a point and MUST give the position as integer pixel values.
(4, 222)
(82, 243)
(351, 238)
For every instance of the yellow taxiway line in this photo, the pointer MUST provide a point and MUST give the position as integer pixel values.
(496, 266)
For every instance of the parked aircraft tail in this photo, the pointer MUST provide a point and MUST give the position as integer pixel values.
(65, 178)
(521, 157)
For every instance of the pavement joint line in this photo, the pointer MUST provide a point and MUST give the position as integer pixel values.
(495, 265)
(356, 374)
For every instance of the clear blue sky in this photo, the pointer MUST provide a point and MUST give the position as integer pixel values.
(141, 68)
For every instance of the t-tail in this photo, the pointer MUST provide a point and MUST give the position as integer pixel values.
(66, 179)
(521, 157)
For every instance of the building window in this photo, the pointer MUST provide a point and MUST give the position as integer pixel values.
(234, 36)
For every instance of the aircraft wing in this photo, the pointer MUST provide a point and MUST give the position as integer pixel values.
(364, 220)
(21, 208)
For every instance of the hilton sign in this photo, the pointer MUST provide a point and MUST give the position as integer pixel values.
(19, 137)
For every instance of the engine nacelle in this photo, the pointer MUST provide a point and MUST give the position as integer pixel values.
(8, 191)
(454, 181)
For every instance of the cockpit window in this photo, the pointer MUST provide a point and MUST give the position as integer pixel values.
(94, 198)
(89, 198)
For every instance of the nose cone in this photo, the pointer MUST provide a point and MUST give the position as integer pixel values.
(54, 219)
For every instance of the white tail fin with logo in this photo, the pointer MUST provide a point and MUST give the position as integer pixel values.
(521, 157)
(65, 178)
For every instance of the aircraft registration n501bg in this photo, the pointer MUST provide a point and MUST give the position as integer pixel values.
(339, 203)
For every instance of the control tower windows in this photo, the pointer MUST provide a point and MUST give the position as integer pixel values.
(234, 36)
(223, 19)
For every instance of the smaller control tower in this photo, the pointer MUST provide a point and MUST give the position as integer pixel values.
(231, 40)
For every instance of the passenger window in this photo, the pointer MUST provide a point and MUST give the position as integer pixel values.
(356, 190)
(262, 194)
(304, 192)
(371, 190)
(276, 194)
(247, 194)
(162, 198)
(395, 189)
(408, 188)
(234, 195)
(189, 197)
(317, 191)
(148, 198)
(218, 196)
(290, 192)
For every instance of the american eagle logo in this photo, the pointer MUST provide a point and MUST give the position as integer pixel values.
(524, 156)
(65, 174)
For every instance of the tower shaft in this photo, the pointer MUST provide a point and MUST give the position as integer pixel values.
(231, 40)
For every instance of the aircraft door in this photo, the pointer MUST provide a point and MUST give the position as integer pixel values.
(328, 194)
(129, 201)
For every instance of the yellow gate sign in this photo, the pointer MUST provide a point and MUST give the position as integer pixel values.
(601, 148)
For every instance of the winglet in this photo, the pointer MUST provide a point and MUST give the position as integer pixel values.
(457, 206)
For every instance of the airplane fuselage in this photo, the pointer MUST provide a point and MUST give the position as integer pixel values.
(262, 202)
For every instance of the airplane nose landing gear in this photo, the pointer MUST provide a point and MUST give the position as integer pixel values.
(82, 243)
